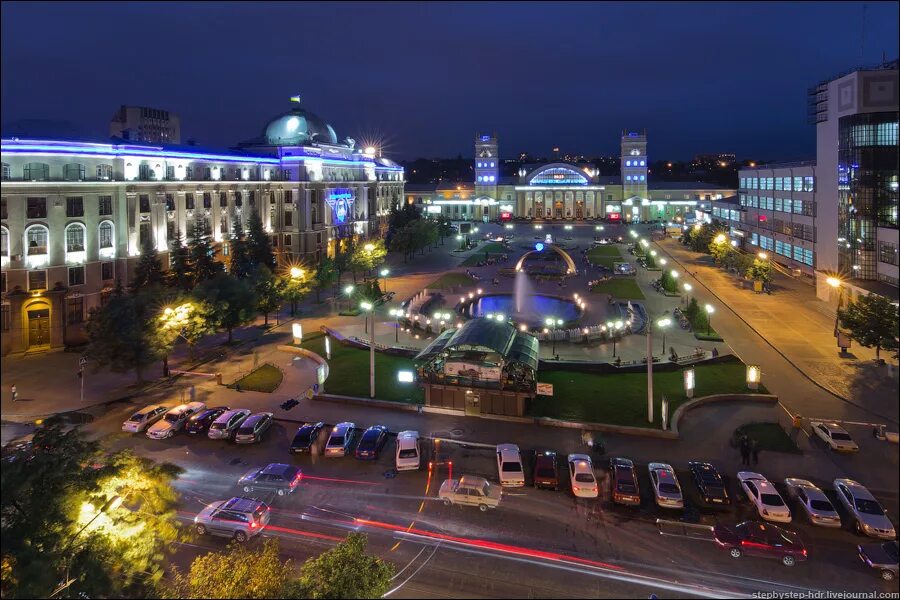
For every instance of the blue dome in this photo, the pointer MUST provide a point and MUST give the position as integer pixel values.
(299, 126)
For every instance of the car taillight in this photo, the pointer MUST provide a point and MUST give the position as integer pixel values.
(575, 488)
(252, 524)
(803, 552)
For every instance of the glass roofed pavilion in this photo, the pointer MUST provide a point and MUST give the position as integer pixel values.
(485, 366)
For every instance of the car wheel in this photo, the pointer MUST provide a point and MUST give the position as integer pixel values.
(447, 502)
(735, 552)
(248, 489)
(201, 529)
(240, 537)
(483, 507)
(281, 492)
(788, 560)
(887, 575)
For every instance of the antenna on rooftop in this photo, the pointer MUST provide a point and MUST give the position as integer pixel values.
(295, 98)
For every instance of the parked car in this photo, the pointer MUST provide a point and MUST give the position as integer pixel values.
(238, 518)
(881, 556)
(868, 515)
(709, 482)
(666, 488)
(253, 428)
(340, 439)
(765, 497)
(226, 425)
(200, 422)
(546, 469)
(408, 455)
(509, 466)
(815, 503)
(754, 538)
(371, 442)
(472, 491)
(144, 418)
(174, 420)
(581, 475)
(276, 477)
(835, 436)
(624, 482)
(306, 437)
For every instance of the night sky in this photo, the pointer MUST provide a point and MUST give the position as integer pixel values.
(701, 77)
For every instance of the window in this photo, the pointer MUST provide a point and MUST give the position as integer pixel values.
(3, 213)
(170, 172)
(887, 253)
(288, 218)
(104, 172)
(106, 271)
(36, 238)
(207, 200)
(170, 202)
(75, 306)
(37, 280)
(238, 199)
(5, 171)
(75, 207)
(189, 202)
(189, 172)
(144, 201)
(75, 238)
(73, 172)
(144, 235)
(4, 242)
(144, 172)
(37, 208)
(105, 234)
(809, 184)
(287, 241)
(779, 183)
(76, 276)
(36, 172)
(223, 200)
(288, 196)
(104, 206)
(252, 198)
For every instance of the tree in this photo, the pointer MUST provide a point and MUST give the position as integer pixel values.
(259, 245)
(179, 275)
(148, 270)
(760, 270)
(668, 282)
(122, 334)
(269, 291)
(343, 259)
(185, 318)
(240, 264)
(202, 254)
(297, 282)
(238, 572)
(367, 256)
(873, 322)
(98, 523)
(325, 276)
(650, 261)
(346, 571)
(233, 301)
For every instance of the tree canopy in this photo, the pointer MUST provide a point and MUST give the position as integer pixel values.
(873, 322)
(346, 571)
(122, 335)
(148, 270)
(233, 301)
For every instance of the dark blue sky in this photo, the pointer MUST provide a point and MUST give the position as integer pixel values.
(701, 77)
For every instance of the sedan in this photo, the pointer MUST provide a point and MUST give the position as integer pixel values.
(814, 502)
(279, 478)
(869, 517)
(666, 488)
(144, 418)
(546, 472)
(306, 437)
(581, 475)
(200, 422)
(174, 420)
(340, 439)
(761, 539)
(371, 442)
(765, 497)
(881, 556)
(709, 482)
(835, 436)
(253, 428)
(624, 482)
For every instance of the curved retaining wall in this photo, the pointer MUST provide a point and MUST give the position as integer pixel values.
(307, 353)
(696, 402)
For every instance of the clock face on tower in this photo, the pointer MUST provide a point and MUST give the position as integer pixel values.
(485, 153)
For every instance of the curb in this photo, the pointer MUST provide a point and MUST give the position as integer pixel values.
(780, 353)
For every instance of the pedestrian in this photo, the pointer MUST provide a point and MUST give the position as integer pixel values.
(715, 352)
(754, 450)
(745, 450)
(15, 394)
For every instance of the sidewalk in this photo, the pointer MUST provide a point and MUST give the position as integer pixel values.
(800, 328)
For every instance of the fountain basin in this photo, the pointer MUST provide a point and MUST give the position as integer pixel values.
(538, 307)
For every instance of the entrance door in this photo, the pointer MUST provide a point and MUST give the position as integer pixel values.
(39, 327)
(473, 405)
(579, 210)
(559, 210)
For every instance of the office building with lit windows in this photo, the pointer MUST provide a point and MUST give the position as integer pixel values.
(75, 214)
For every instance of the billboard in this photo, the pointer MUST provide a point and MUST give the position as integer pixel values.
(341, 202)
(484, 372)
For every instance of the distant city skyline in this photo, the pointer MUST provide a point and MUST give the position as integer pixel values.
(422, 78)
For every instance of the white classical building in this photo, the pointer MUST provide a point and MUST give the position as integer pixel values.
(74, 214)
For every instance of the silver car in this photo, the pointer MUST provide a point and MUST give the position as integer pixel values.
(665, 485)
(253, 427)
(227, 423)
(238, 518)
(870, 518)
(814, 502)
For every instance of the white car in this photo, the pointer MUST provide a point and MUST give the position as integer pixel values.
(818, 507)
(144, 418)
(341, 438)
(765, 497)
(509, 466)
(408, 452)
(581, 475)
(870, 518)
(174, 420)
(835, 436)
(225, 426)
(666, 488)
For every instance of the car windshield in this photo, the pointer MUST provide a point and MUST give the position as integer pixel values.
(869, 507)
(821, 505)
(546, 472)
(840, 436)
(584, 478)
(336, 440)
(711, 478)
(303, 436)
(173, 417)
(217, 425)
(668, 488)
(408, 453)
(137, 417)
(246, 429)
(486, 489)
(772, 500)
(512, 467)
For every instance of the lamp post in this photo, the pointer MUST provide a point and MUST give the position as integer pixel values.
(688, 287)
(369, 308)
(709, 311)
(663, 324)
(835, 283)
(384, 274)
(552, 324)
(618, 326)
(459, 239)
(348, 290)
(397, 313)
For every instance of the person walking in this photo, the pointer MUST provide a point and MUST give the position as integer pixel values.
(754, 451)
(745, 450)
(15, 394)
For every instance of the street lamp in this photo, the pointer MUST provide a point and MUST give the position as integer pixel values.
(384, 273)
(836, 283)
(397, 313)
(688, 287)
(348, 290)
(762, 255)
(552, 324)
(709, 311)
(618, 326)
(459, 239)
(369, 308)
(720, 239)
(296, 272)
(663, 324)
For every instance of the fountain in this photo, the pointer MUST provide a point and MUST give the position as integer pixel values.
(523, 292)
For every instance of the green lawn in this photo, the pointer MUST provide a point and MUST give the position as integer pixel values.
(448, 280)
(265, 378)
(623, 289)
(492, 248)
(349, 372)
(604, 256)
(770, 436)
(621, 398)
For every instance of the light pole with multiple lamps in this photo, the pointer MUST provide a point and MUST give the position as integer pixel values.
(370, 308)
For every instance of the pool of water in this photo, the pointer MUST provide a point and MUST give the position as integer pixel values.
(533, 309)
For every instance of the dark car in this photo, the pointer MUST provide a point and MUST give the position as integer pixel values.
(252, 429)
(882, 556)
(755, 538)
(200, 422)
(546, 471)
(371, 442)
(276, 477)
(306, 436)
(709, 482)
(624, 482)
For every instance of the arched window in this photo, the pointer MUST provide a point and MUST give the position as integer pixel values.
(36, 238)
(74, 238)
(73, 172)
(36, 172)
(107, 236)
(4, 243)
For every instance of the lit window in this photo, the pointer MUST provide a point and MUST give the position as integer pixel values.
(643, 163)
(627, 163)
